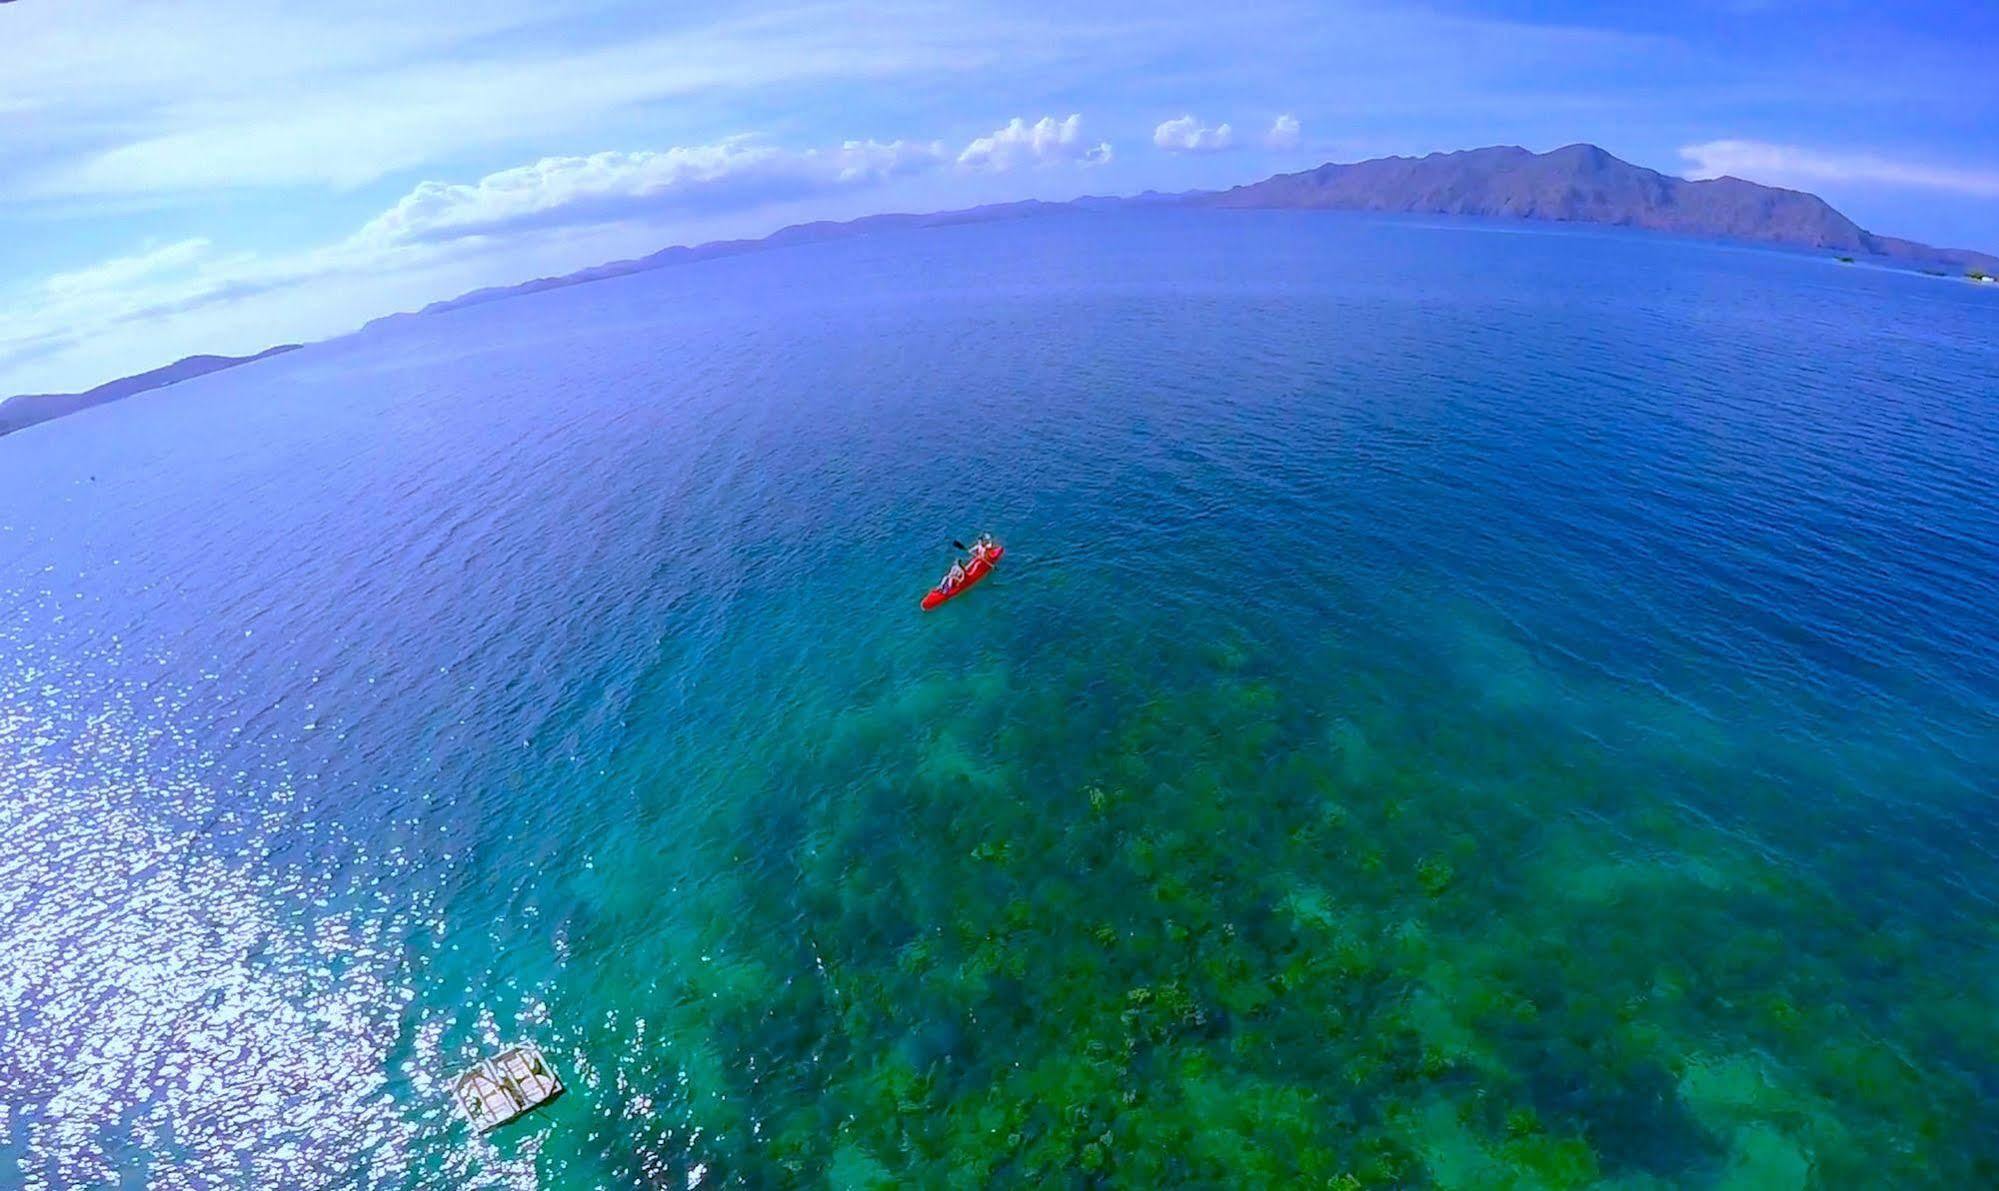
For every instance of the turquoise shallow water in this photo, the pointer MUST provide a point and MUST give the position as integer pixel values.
(1464, 705)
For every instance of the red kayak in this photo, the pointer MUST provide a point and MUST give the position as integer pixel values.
(973, 574)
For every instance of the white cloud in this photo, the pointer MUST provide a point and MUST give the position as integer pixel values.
(1791, 165)
(1044, 142)
(604, 186)
(124, 271)
(89, 327)
(142, 103)
(70, 311)
(1188, 135)
(73, 303)
(1283, 134)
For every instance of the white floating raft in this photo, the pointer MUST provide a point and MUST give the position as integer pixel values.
(515, 1081)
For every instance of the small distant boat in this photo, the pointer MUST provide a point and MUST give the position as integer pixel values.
(978, 570)
(518, 1080)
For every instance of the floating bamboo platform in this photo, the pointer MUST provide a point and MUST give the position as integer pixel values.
(518, 1080)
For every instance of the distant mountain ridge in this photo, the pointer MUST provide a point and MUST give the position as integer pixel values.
(797, 233)
(1584, 184)
(28, 409)
(1578, 183)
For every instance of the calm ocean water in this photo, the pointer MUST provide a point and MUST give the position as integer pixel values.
(1462, 703)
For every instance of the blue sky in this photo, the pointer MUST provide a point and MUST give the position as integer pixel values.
(179, 178)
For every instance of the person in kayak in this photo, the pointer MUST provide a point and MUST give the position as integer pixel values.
(955, 576)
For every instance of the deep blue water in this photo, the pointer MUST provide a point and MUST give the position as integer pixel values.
(1460, 698)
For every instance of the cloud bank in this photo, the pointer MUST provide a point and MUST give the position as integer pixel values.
(604, 186)
(1792, 165)
(1043, 143)
(1188, 135)
(1283, 134)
